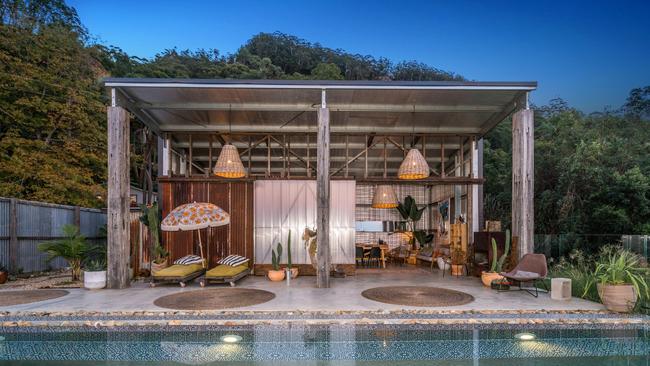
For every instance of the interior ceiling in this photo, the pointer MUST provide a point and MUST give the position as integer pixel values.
(412, 113)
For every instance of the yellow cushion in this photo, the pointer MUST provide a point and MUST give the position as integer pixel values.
(179, 270)
(224, 270)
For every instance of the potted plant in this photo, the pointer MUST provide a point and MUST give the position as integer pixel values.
(151, 216)
(457, 261)
(4, 274)
(412, 214)
(620, 280)
(160, 258)
(72, 247)
(95, 274)
(290, 268)
(276, 274)
(497, 265)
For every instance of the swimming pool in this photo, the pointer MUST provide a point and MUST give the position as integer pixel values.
(328, 345)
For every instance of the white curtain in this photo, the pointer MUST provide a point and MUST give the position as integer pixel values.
(283, 206)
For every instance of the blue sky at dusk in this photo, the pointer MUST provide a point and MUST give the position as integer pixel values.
(588, 53)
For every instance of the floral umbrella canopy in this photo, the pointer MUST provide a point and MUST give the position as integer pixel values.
(195, 216)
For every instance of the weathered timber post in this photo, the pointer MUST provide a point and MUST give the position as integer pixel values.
(118, 198)
(523, 214)
(323, 197)
(13, 236)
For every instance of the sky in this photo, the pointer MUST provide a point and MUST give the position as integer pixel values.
(589, 53)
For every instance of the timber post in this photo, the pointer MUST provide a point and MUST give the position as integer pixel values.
(523, 189)
(323, 197)
(13, 236)
(118, 247)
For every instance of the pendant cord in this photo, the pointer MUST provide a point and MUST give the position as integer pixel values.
(230, 119)
(413, 127)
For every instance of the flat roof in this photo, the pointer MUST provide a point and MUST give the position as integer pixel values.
(289, 107)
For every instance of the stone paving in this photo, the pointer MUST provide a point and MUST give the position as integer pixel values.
(344, 295)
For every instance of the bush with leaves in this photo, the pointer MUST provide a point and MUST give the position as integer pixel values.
(72, 247)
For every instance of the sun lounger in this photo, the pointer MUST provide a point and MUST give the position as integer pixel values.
(224, 273)
(181, 273)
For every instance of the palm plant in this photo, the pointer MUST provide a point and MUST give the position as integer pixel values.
(72, 247)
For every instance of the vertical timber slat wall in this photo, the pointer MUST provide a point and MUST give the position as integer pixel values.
(234, 197)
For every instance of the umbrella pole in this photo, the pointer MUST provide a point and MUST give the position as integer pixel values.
(201, 248)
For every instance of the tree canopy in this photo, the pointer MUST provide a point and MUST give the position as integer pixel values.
(592, 172)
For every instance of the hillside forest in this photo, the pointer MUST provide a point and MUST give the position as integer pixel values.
(592, 171)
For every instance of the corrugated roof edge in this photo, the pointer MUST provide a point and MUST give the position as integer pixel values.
(317, 84)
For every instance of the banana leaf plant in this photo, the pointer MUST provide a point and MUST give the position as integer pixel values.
(412, 214)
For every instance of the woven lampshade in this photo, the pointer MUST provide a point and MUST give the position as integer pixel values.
(384, 197)
(414, 166)
(229, 164)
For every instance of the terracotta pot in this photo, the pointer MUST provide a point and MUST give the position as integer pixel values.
(276, 276)
(488, 277)
(3, 277)
(457, 270)
(155, 267)
(619, 298)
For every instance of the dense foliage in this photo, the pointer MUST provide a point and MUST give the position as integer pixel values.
(592, 171)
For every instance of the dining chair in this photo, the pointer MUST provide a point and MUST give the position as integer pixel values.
(359, 256)
(374, 256)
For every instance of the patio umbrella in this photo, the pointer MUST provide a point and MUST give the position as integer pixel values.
(195, 216)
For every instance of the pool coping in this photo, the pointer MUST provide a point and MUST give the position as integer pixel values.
(171, 319)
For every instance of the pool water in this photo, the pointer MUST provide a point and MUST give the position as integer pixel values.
(328, 345)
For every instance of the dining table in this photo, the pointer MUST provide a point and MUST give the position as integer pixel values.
(383, 250)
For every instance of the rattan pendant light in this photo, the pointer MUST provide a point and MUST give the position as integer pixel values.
(414, 166)
(384, 197)
(229, 164)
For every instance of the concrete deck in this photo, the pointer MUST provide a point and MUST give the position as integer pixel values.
(344, 295)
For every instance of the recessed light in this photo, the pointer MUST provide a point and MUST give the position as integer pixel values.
(525, 336)
(230, 338)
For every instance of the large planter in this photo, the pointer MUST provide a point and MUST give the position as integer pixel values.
(488, 277)
(619, 298)
(276, 276)
(94, 280)
(155, 267)
(3, 277)
(457, 270)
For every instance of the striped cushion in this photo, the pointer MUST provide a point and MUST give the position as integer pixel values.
(189, 259)
(233, 260)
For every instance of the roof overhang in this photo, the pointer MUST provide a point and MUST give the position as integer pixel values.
(383, 117)
(289, 106)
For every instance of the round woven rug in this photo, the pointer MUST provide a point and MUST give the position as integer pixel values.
(214, 299)
(417, 296)
(9, 298)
